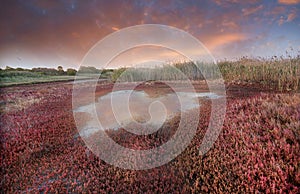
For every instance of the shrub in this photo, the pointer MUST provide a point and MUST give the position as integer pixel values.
(71, 71)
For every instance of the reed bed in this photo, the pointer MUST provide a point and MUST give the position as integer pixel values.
(275, 73)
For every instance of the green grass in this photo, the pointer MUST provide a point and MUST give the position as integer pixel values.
(9, 78)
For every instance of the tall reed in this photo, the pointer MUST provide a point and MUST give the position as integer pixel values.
(277, 73)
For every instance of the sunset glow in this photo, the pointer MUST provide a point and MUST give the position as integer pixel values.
(52, 33)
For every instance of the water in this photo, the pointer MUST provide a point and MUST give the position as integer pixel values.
(122, 108)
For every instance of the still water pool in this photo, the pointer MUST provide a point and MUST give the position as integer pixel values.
(121, 108)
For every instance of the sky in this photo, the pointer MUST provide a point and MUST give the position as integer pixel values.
(48, 33)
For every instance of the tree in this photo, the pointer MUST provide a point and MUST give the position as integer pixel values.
(45, 71)
(9, 68)
(89, 70)
(60, 70)
(71, 71)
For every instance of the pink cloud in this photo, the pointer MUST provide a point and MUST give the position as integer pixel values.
(226, 2)
(289, 18)
(281, 21)
(219, 40)
(278, 10)
(292, 15)
(115, 28)
(252, 10)
(75, 35)
(289, 2)
(230, 24)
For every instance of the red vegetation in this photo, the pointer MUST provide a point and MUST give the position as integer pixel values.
(258, 149)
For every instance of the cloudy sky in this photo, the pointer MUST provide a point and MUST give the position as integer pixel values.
(48, 33)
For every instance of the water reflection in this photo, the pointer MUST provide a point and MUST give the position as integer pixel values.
(114, 112)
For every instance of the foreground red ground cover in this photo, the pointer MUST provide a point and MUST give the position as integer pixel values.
(258, 149)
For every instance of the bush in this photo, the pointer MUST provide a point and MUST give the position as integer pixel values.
(71, 71)
(9, 74)
(45, 71)
(89, 70)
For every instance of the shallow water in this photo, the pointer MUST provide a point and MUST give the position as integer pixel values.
(122, 108)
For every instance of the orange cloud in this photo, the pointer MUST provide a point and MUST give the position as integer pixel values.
(75, 35)
(289, 2)
(143, 54)
(230, 24)
(224, 2)
(252, 10)
(115, 28)
(220, 40)
(292, 16)
(281, 21)
(278, 10)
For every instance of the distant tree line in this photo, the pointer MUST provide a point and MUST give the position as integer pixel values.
(88, 70)
(42, 70)
(85, 70)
